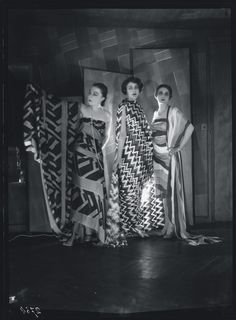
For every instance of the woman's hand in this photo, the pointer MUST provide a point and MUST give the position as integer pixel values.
(173, 151)
(116, 163)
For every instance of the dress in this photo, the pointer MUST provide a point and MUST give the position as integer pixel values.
(89, 191)
(161, 159)
(168, 133)
(127, 215)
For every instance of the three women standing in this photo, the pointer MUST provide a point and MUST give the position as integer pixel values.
(141, 151)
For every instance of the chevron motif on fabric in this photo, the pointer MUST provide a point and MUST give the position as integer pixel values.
(51, 154)
(118, 128)
(114, 235)
(88, 167)
(43, 129)
(151, 209)
(89, 192)
(124, 214)
(31, 118)
(87, 202)
(73, 117)
(87, 141)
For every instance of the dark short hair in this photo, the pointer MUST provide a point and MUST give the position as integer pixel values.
(163, 85)
(103, 89)
(133, 80)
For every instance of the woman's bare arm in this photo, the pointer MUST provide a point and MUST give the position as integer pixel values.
(185, 139)
(187, 136)
(108, 129)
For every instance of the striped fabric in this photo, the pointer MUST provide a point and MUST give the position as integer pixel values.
(167, 133)
(49, 132)
(161, 158)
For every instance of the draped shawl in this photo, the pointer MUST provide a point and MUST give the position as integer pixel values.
(177, 126)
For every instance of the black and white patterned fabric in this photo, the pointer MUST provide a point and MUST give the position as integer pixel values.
(49, 132)
(133, 205)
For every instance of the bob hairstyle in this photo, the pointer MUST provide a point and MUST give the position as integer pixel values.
(163, 85)
(103, 90)
(133, 80)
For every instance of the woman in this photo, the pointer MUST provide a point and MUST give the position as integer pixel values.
(171, 131)
(133, 166)
(89, 192)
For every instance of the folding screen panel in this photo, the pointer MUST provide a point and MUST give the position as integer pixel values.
(38, 215)
(170, 66)
(113, 81)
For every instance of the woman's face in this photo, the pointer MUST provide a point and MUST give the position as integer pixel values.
(163, 95)
(132, 91)
(95, 97)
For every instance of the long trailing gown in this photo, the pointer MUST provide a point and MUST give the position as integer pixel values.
(89, 191)
(133, 205)
(169, 132)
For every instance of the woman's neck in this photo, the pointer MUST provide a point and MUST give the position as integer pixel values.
(95, 108)
(162, 107)
(131, 100)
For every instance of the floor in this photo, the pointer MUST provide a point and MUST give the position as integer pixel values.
(151, 274)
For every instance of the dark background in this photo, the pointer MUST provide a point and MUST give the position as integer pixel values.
(51, 47)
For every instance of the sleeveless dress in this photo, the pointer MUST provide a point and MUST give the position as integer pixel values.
(89, 192)
(161, 158)
(168, 173)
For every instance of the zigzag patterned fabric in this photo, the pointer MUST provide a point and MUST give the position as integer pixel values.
(133, 205)
(49, 132)
(151, 209)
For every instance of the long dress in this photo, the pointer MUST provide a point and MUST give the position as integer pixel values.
(127, 215)
(168, 132)
(89, 191)
(161, 159)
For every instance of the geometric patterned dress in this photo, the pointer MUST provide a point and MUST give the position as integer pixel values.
(130, 210)
(88, 191)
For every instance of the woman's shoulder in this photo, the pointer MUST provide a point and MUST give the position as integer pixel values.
(107, 115)
(122, 105)
(174, 110)
(155, 114)
(124, 102)
(83, 107)
(177, 113)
